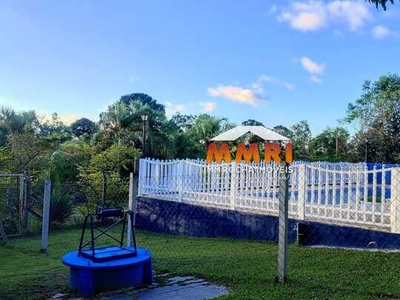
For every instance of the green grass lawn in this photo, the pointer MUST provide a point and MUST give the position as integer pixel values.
(248, 268)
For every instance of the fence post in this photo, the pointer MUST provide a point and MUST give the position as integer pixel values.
(395, 200)
(233, 185)
(302, 191)
(22, 200)
(180, 179)
(21, 188)
(133, 194)
(157, 176)
(142, 172)
(46, 215)
(283, 230)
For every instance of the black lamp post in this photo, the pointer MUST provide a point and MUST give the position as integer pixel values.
(144, 120)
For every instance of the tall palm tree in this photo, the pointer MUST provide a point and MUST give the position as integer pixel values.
(205, 127)
(12, 122)
(113, 120)
(156, 137)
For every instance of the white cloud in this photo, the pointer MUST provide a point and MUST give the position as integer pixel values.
(208, 106)
(171, 108)
(304, 21)
(311, 66)
(234, 93)
(67, 119)
(305, 16)
(315, 78)
(353, 14)
(314, 68)
(180, 107)
(248, 95)
(257, 86)
(308, 21)
(314, 15)
(380, 32)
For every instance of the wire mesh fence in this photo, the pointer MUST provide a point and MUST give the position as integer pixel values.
(11, 199)
(328, 205)
(20, 204)
(22, 217)
(348, 194)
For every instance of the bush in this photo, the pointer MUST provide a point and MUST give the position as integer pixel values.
(10, 226)
(60, 208)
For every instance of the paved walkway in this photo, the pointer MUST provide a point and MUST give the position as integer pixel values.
(176, 288)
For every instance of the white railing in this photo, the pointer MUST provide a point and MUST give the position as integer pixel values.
(336, 193)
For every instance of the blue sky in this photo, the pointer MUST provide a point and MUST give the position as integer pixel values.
(278, 62)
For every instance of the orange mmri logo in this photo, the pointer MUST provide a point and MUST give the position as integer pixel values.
(272, 151)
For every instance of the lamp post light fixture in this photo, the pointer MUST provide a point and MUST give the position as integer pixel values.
(144, 120)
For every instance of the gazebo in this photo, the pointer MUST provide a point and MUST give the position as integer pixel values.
(263, 132)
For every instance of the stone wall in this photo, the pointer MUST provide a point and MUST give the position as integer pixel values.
(190, 220)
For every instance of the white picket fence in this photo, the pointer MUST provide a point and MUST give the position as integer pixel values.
(336, 193)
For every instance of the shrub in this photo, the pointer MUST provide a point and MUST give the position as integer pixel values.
(60, 208)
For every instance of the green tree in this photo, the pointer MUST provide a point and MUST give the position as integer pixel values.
(330, 145)
(157, 138)
(12, 122)
(113, 121)
(282, 130)
(143, 99)
(376, 114)
(301, 139)
(182, 122)
(286, 132)
(68, 159)
(115, 163)
(29, 151)
(53, 129)
(82, 127)
(204, 128)
(251, 122)
(5, 158)
(122, 124)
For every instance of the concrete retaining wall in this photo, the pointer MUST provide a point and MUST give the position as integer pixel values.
(190, 220)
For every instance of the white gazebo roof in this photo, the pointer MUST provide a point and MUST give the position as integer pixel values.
(265, 133)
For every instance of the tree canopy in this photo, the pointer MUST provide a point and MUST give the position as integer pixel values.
(85, 149)
(144, 99)
(380, 3)
(377, 116)
(83, 126)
